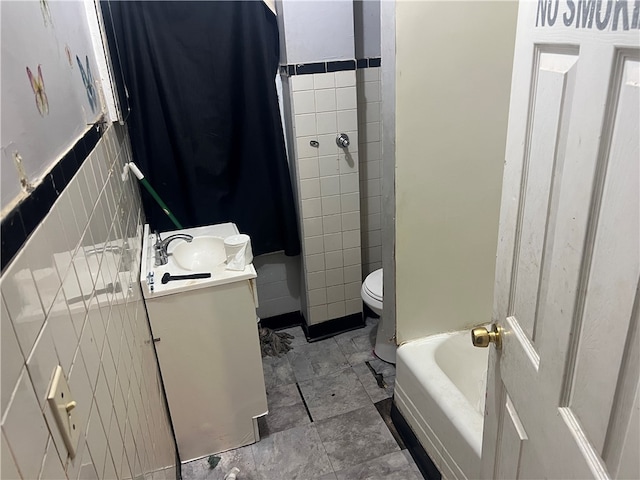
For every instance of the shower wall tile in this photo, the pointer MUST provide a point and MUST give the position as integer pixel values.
(352, 273)
(317, 315)
(335, 277)
(330, 186)
(333, 242)
(346, 98)
(312, 207)
(335, 293)
(328, 183)
(314, 263)
(316, 280)
(324, 80)
(71, 297)
(301, 82)
(304, 102)
(314, 245)
(347, 120)
(336, 310)
(370, 174)
(329, 165)
(345, 79)
(325, 100)
(333, 260)
(308, 168)
(312, 227)
(309, 188)
(304, 147)
(305, 124)
(326, 122)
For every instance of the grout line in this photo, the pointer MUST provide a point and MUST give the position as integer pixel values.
(304, 402)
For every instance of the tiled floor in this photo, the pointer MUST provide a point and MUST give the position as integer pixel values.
(324, 418)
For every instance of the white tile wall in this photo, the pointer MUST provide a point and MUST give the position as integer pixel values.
(328, 182)
(278, 279)
(59, 306)
(370, 176)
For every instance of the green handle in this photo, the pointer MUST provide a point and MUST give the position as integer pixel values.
(157, 198)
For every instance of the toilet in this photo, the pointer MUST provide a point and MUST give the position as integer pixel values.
(371, 292)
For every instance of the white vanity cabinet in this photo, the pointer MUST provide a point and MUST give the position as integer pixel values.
(206, 337)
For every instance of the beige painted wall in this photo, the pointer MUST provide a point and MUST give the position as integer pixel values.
(453, 76)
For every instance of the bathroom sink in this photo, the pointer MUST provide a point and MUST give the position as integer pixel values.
(202, 254)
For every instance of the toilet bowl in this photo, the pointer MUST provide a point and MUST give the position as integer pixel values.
(371, 293)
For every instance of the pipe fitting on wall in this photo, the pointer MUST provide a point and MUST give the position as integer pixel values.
(342, 140)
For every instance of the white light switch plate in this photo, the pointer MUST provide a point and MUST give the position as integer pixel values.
(63, 406)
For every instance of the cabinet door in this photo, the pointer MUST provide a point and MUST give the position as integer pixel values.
(209, 354)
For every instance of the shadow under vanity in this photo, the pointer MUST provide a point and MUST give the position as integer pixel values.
(206, 338)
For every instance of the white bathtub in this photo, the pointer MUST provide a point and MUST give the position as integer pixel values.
(440, 391)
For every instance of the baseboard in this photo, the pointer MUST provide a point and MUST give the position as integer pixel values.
(425, 464)
(316, 332)
(284, 320)
(330, 328)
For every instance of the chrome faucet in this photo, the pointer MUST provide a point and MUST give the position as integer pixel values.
(162, 257)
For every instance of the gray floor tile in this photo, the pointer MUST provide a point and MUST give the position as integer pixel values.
(240, 457)
(286, 410)
(370, 325)
(386, 369)
(355, 437)
(334, 394)
(298, 336)
(349, 435)
(328, 476)
(357, 345)
(393, 466)
(384, 409)
(296, 453)
(356, 349)
(277, 371)
(316, 359)
(369, 382)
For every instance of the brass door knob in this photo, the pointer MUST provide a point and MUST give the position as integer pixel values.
(481, 337)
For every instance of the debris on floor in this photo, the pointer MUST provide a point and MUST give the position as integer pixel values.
(274, 344)
(213, 461)
(232, 474)
(378, 376)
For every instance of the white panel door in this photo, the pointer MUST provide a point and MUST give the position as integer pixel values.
(563, 392)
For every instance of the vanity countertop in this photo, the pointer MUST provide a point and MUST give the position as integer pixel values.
(219, 276)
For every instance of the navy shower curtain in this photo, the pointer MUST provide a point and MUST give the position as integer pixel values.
(204, 118)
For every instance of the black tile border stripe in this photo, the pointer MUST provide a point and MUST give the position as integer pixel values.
(308, 68)
(341, 66)
(317, 332)
(333, 327)
(282, 321)
(20, 222)
(327, 67)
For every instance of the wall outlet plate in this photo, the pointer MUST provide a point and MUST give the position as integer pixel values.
(63, 406)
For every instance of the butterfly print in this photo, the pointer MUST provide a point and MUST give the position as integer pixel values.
(37, 85)
(87, 79)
